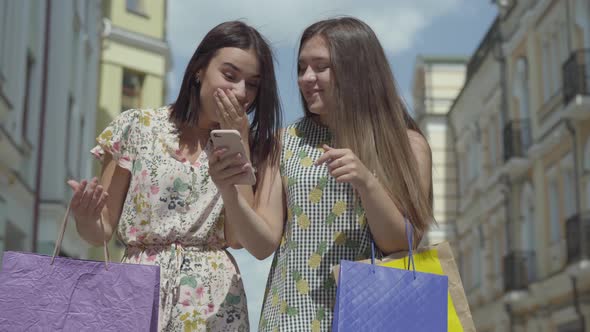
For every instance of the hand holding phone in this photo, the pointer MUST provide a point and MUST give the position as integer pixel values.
(232, 141)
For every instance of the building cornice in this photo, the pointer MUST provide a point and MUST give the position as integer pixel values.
(526, 22)
(140, 41)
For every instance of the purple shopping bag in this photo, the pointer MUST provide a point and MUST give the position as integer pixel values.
(44, 293)
(377, 298)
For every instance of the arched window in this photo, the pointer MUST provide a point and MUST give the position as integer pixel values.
(527, 208)
(587, 170)
(520, 89)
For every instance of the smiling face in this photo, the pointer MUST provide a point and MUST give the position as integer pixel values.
(315, 76)
(232, 69)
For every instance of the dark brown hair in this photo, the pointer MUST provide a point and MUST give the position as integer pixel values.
(370, 117)
(266, 118)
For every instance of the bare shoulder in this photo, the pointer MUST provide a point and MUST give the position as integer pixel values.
(418, 143)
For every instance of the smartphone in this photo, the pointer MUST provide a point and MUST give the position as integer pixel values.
(232, 141)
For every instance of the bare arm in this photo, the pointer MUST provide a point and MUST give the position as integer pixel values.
(258, 228)
(114, 183)
(247, 194)
(386, 221)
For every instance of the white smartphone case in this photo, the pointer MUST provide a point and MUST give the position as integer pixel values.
(232, 140)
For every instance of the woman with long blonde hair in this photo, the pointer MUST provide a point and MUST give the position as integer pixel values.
(350, 171)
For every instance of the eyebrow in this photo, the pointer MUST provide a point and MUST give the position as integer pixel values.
(232, 66)
(315, 59)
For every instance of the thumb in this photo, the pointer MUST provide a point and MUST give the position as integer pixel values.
(73, 184)
(327, 147)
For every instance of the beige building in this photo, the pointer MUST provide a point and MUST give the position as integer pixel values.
(135, 58)
(134, 64)
(437, 81)
(522, 129)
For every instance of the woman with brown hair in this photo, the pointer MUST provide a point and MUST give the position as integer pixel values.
(350, 171)
(162, 202)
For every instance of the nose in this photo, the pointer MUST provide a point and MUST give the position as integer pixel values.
(239, 89)
(309, 75)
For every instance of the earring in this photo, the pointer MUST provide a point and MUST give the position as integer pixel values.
(197, 85)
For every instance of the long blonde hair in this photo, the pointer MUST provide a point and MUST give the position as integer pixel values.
(370, 117)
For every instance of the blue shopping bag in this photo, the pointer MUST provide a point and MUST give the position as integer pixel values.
(376, 298)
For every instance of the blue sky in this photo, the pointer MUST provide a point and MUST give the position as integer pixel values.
(406, 29)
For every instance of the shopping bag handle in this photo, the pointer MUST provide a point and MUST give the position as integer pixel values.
(62, 231)
(410, 237)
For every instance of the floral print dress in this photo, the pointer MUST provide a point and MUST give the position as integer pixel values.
(325, 224)
(172, 217)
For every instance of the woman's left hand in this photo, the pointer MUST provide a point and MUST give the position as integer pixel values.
(227, 169)
(345, 166)
(231, 114)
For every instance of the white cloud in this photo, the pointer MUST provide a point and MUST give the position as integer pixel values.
(396, 22)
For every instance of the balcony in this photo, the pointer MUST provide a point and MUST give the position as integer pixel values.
(519, 270)
(578, 237)
(576, 85)
(517, 139)
(576, 75)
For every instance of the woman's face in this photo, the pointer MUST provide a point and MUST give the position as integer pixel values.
(314, 76)
(231, 69)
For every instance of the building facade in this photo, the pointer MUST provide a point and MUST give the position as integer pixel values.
(135, 58)
(437, 81)
(522, 129)
(49, 57)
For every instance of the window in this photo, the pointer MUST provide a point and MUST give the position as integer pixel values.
(481, 256)
(80, 152)
(474, 161)
(5, 15)
(493, 143)
(527, 208)
(555, 223)
(69, 135)
(136, 6)
(575, 326)
(27, 97)
(569, 192)
(497, 253)
(467, 261)
(14, 238)
(587, 171)
(546, 73)
(564, 44)
(555, 65)
(521, 86)
(75, 58)
(462, 172)
(476, 258)
(131, 90)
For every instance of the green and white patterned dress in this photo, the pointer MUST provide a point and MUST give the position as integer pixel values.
(325, 224)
